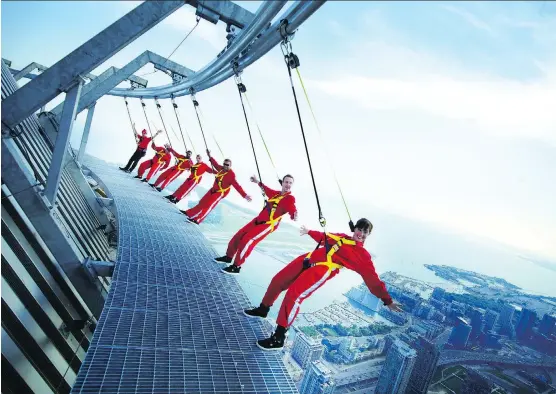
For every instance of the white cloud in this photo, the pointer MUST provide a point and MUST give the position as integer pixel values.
(470, 18)
(497, 106)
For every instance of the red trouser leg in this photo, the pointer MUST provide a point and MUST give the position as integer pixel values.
(153, 170)
(283, 279)
(247, 243)
(302, 288)
(205, 202)
(162, 177)
(234, 243)
(176, 173)
(143, 167)
(219, 197)
(185, 189)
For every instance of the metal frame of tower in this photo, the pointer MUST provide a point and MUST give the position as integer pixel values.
(50, 216)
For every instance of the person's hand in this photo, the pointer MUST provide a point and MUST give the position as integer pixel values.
(395, 307)
(254, 179)
(295, 216)
(303, 230)
(248, 198)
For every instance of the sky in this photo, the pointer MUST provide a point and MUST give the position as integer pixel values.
(441, 113)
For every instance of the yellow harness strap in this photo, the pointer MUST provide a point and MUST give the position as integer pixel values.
(180, 162)
(329, 263)
(160, 155)
(194, 169)
(219, 177)
(275, 201)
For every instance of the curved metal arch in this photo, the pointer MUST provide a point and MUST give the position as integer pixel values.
(263, 17)
(296, 14)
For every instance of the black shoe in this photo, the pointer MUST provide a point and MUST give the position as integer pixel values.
(276, 340)
(223, 259)
(170, 197)
(158, 188)
(231, 269)
(189, 219)
(144, 180)
(175, 200)
(260, 311)
(137, 176)
(123, 169)
(151, 185)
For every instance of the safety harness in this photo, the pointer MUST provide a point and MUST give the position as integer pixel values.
(219, 178)
(275, 201)
(329, 263)
(160, 155)
(194, 175)
(180, 162)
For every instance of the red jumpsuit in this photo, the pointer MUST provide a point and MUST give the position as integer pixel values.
(223, 181)
(197, 171)
(245, 240)
(173, 172)
(160, 160)
(301, 283)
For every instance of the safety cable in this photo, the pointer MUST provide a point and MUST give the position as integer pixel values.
(213, 136)
(197, 19)
(323, 142)
(292, 61)
(261, 134)
(196, 105)
(147, 118)
(241, 89)
(179, 125)
(130, 120)
(162, 120)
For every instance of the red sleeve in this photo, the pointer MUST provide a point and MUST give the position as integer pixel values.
(269, 192)
(318, 236)
(292, 209)
(367, 270)
(176, 154)
(156, 148)
(215, 163)
(238, 188)
(208, 169)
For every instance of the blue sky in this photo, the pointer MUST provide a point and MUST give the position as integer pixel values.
(439, 112)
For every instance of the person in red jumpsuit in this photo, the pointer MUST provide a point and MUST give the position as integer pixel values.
(244, 241)
(196, 174)
(160, 161)
(225, 178)
(304, 275)
(183, 163)
(142, 145)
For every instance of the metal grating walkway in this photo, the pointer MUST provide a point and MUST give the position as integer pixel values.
(172, 323)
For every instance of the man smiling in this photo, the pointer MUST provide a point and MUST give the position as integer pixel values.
(304, 275)
(242, 244)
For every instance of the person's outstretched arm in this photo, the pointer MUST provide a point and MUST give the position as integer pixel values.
(240, 190)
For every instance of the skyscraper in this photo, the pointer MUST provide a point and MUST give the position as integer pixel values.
(397, 369)
(460, 334)
(491, 317)
(524, 327)
(506, 320)
(477, 320)
(546, 327)
(317, 380)
(425, 365)
(438, 293)
(306, 350)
